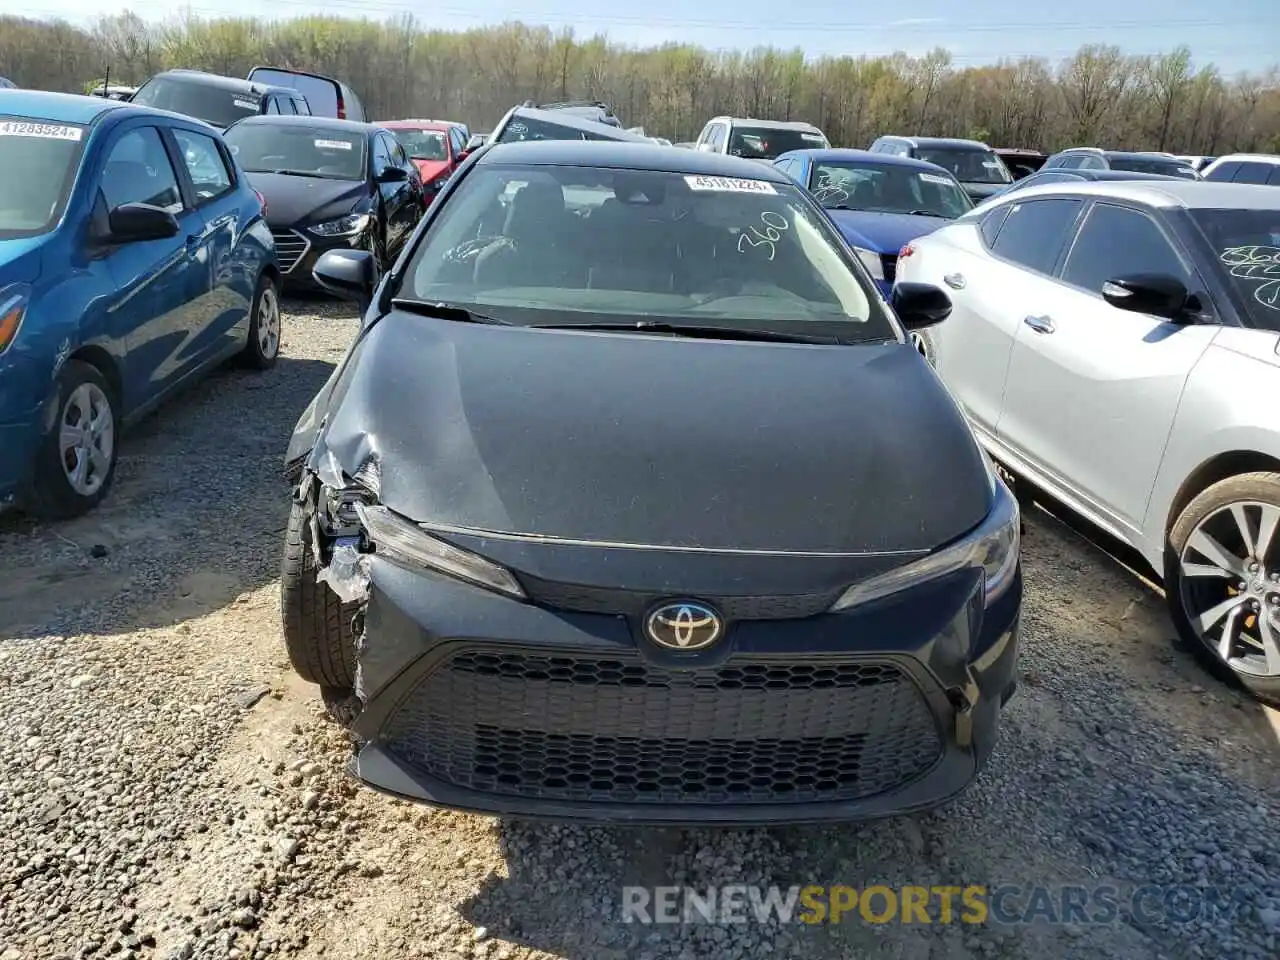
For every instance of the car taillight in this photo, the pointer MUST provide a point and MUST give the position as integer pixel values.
(906, 251)
(262, 200)
(342, 108)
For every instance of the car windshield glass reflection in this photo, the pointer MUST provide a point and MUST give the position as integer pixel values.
(422, 144)
(299, 150)
(768, 143)
(884, 188)
(547, 244)
(1246, 247)
(966, 164)
(38, 159)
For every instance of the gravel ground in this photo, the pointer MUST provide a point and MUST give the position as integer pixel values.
(169, 789)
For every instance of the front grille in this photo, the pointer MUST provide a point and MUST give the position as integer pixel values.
(290, 246)
(568, 726)
(889, 261)
(634, 603)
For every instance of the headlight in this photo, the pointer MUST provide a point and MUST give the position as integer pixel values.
(13, 307)
(402, 540)
(993, 547)
(436, 185)
(872, 262)
(347, 226)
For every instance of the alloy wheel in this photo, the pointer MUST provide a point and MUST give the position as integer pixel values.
(1230, 585)
(86, 439)
(269, 322)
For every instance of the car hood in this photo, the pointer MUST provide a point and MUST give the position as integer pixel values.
(292, 201)
(651, 440)
(431, 169)
(20, 259)
(883, 232)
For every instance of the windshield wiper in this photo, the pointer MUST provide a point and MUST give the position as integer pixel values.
(925, 213)
(701, 331)
(447, 311)
(288, 173)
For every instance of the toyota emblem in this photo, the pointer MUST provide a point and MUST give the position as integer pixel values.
(684, 626)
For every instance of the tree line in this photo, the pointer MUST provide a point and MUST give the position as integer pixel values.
(1098, 97)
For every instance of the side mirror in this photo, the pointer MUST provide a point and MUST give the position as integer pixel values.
(393, 175)
(349, 274)
(136, 222)
(477, 141)
(462, 155)
(920, 305)
(1152, 293)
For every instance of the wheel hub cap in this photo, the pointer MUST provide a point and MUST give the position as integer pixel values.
(86, 439)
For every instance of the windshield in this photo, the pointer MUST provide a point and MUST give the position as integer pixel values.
(423, 144)
(212, 104)
(1170, 168)
(298, 149)
(552, 244)
(967, 164)
(39, 160)
(1246, 247)
(769, 143)
(888, 188)
(521, 128)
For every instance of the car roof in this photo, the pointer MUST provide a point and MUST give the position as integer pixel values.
(1250, 158)
(940, 142)
(62, 107)
(850, 153)
(1019, 151)
(224, 83)
(774, 124)
(441, 126)
(576, 121)
(1174, 192)
(637, 155)
(318, 123)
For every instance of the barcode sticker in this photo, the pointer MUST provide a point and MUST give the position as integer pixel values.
(729, 185)
(45, 131)
(333, 144)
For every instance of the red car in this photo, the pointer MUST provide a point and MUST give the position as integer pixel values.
(436, 147)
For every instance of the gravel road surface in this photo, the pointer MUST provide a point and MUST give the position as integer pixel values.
(169, 789)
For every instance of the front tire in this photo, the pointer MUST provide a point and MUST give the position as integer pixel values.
(1222, 580)
(318, 634)
(76, 459)
(265, 326)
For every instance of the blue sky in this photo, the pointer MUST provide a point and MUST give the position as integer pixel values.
(977, 31)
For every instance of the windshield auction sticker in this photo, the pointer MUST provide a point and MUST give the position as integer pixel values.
(245, 104)
(934, 178)
(45, 131)
(333, 144)
(729, 185)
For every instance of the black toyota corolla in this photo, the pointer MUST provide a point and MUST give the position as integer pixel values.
(632, 502)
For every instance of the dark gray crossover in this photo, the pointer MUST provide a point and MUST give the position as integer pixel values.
(632, 502)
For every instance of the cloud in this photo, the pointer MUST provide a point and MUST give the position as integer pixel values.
(915, 21)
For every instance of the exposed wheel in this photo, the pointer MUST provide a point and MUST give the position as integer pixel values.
(1222, 580)
(264, 326)
(317, 625)
(76, 460)
(924, 346)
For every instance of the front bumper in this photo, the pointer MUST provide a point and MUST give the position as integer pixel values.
(19, 443)
(476, 702)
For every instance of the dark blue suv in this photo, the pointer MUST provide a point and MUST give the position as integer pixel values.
(133, 258)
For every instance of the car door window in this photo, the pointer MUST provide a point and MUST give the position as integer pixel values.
(1252, 173)
(991, 224)
(1223, 172)
(398, 156)
(303, 108)
(1115, 241)
(717, 137)
(1035, 232)
(210, 176)
(381, 155)
(138, 171)
(273, 105)
(1092, 162)
(1273, 178)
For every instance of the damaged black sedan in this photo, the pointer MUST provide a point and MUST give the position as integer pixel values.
(632, 502)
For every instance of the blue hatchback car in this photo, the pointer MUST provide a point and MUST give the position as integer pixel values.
(133, 258)
(879, 202)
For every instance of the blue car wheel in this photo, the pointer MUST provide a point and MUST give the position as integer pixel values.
(76, 459)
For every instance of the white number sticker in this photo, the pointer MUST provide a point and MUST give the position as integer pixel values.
(730, 185)
(933, 178)
(333, 144)
(45, 131)
(245, 104)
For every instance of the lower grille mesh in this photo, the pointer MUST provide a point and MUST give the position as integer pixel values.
(572, 727)
(290, 246)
